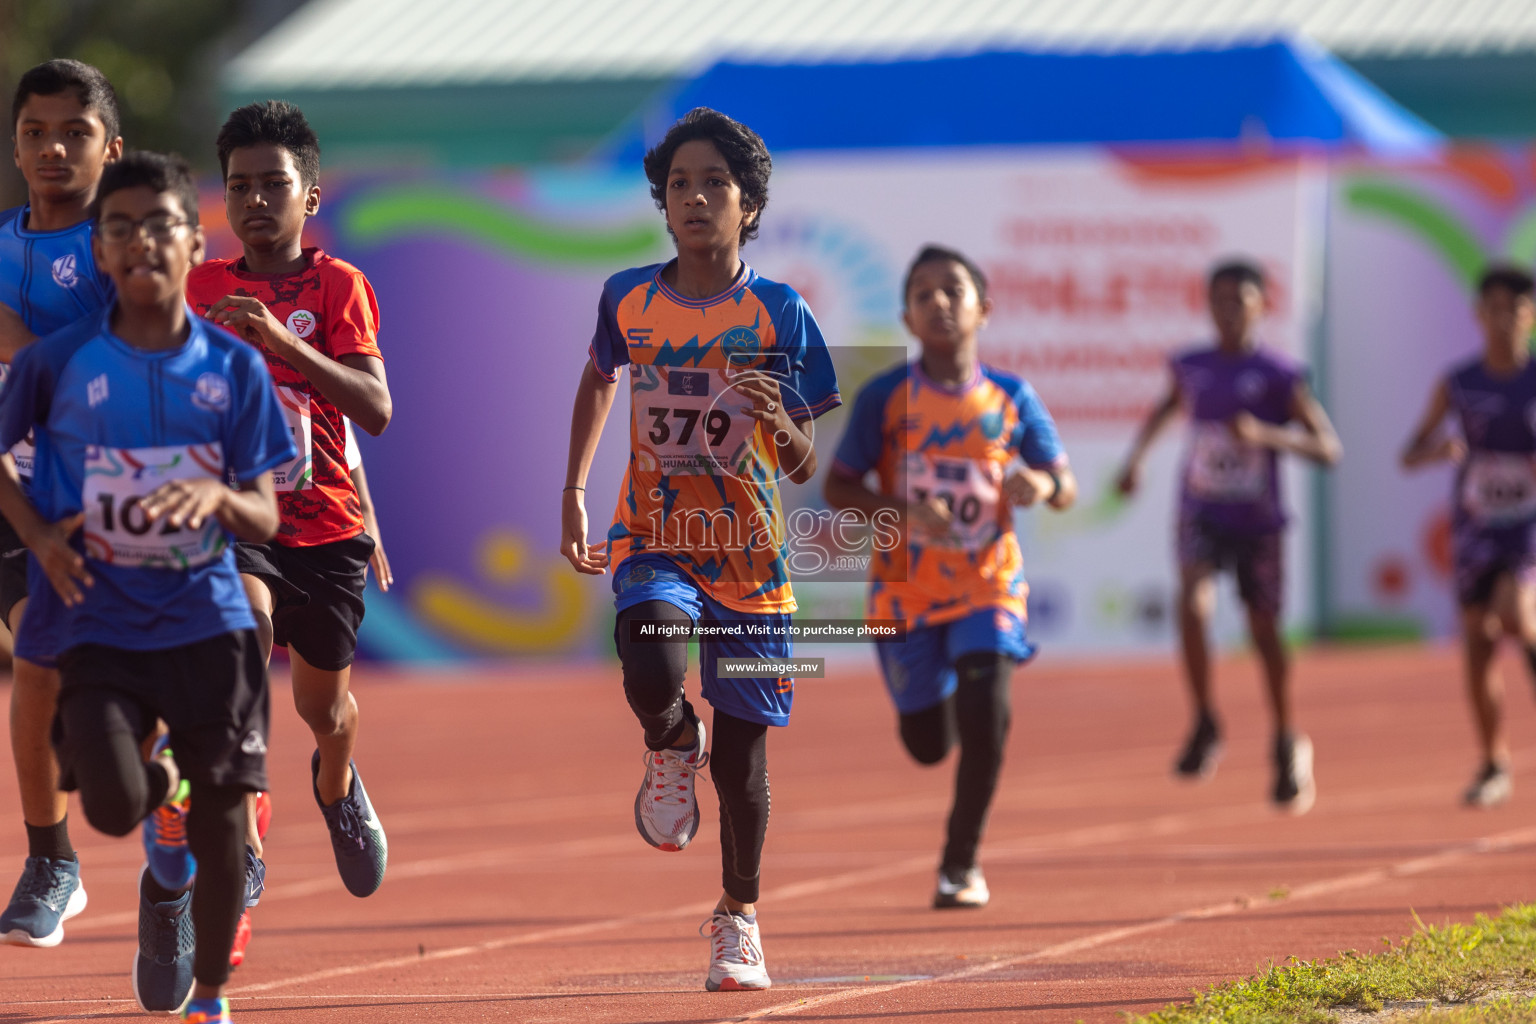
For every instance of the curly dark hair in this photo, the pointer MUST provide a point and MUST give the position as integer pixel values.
(272, 123)
(1512, 278)
(742, 148)
(158, 172)
(56, 76)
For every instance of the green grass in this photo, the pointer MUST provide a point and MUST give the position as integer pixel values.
(1452, 963)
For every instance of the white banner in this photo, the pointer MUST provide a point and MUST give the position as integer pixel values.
(1097, 266)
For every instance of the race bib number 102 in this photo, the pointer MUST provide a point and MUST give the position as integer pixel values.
(117, 531)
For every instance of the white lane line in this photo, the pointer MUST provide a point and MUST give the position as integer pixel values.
(1342, 883)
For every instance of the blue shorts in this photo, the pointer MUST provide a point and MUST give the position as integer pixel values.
(652, 577)
(42, 622)
(921, 672)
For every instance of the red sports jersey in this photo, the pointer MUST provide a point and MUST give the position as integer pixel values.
(330, 305)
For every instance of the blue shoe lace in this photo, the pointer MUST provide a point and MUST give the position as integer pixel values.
(40, 882)
(347, 819)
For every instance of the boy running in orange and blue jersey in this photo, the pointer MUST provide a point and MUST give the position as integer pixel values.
(1493, 400)
(1242, 399)
(945, 435)
(727, 369)
(65, 120)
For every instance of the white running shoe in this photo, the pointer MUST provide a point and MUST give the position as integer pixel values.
(667, 808)
(736, 954)
(969, 890)
(1295, 789)
(1492, 787)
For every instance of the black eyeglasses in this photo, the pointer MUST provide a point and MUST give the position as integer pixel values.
(159, 226)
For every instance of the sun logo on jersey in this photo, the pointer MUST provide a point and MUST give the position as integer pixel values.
(66, 273)
(741, 345)
(302, 322)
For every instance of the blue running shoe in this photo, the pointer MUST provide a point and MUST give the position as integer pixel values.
(165, 835)
(255, 877)
(207, 1011)
(357, 838)
(48, 894)
(162, 965)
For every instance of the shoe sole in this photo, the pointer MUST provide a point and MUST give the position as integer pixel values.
(26, 940)
(729, 984)
(956, 903)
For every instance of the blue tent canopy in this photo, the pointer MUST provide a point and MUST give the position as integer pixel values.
(1285, 93)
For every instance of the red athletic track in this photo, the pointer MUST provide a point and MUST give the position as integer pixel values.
(518, 889)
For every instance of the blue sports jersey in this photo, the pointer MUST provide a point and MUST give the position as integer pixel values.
(51, 279)
(112, 423)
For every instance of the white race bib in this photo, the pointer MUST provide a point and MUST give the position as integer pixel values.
(693, 423)
(116, 529)
(1499, 489)
(298, 474)
(1223, 468)
(971, 488)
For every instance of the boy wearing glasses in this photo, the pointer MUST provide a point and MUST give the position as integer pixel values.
(141, 416)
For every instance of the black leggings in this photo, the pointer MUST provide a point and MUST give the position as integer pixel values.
(654, 674)
(980, 712)
(118, 790)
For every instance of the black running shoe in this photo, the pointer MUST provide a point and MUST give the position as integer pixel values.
(1198, 761)
(1295, 790)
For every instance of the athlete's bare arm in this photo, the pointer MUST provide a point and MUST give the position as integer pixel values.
(14, 333)
(594, 397)
(932, 517)
(1057, 488)
(378, 560)
(249, 512)
(1428, 444)
(49, 542)
(355, 383)
(1315, 440)
(1161, 415)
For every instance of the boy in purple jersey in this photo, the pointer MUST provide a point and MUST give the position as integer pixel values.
(65, 121)
(1242, 399)
(1493, 399)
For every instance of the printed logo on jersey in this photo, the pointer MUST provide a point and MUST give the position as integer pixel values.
(96, 391)
(211, 393)
(638, 575)
(684, 382)
(740, 345)
(65, 271)
(302, 322)
(253, 744)
(1251, 386)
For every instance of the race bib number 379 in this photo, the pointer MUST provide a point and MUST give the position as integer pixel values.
(117, 480)
(693, 422)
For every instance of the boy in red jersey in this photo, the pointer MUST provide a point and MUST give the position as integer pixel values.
(727, 369)
(945, 436)
(315, 320)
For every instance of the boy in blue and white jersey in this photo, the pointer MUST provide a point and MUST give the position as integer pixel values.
(141, 415)
(65, 120)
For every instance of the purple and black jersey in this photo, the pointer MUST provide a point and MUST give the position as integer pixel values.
(1227, 483)
(1496, 485)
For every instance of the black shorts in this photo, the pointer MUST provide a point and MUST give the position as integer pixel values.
(317, 595)
(1255, 558)
(13, 570)
(212, 694)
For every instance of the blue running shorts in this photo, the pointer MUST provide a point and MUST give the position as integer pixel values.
(921, 672)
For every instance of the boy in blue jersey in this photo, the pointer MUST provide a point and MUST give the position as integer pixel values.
(1492, 398)
(142, 414)
(727, 369)
(65, 119)
(954, 446)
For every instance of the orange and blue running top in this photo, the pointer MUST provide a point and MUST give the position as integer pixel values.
(925, 440)
(702, 485)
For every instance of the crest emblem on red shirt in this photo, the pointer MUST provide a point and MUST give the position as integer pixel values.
(302, 322)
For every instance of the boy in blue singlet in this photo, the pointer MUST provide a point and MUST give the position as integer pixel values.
(65, 121)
